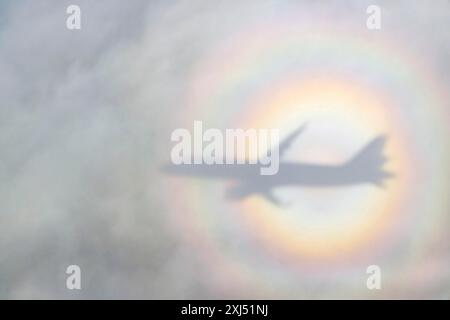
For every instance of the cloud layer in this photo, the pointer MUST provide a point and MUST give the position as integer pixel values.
(85, 121)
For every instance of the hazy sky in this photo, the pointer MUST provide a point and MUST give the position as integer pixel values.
(85, 122)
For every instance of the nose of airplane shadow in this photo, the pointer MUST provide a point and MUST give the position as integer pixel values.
(167, 168)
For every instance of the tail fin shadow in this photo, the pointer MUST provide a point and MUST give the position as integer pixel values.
(369, 162)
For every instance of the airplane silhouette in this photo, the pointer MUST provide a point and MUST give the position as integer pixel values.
(366, 167)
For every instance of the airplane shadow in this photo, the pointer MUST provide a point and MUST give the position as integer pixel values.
(366, 167)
